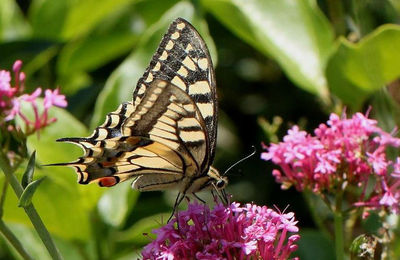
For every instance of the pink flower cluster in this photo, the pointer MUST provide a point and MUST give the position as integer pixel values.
(346, 152)
(232, 232)
(11, 99)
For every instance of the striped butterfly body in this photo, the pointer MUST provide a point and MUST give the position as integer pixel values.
(165, 138)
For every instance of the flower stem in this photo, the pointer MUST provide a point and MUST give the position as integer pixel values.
(13, 240)
(6, 232)
(337, 16)
(338, 221)
(312, 204)
(30, 209)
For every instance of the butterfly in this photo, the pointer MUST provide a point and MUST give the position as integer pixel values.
(165, 137)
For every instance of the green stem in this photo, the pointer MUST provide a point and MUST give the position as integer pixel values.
(310, 201)
(337, 16)
(13, 240)
(30, 209)
(338, 221)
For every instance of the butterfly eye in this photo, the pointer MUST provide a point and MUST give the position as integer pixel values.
(220, 184)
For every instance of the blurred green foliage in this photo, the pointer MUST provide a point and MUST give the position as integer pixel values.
(299, 60)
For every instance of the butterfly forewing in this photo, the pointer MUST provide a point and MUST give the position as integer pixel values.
(183, 59)
(165, 137)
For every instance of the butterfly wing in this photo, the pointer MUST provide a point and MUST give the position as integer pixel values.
(163, 139)
(168, 132)
(182, 58)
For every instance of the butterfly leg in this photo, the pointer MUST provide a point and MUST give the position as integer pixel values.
(178, 201)
(200, 199)
(221, 195)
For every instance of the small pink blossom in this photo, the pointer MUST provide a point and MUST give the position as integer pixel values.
(16, 107)
(12, 97)
(53, 98)
(233, 232)
(5, 80)
(344, 150)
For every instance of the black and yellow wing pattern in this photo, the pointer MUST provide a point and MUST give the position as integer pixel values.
(166, 137)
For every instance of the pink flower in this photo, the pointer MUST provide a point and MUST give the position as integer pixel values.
(32, 97)
(15, 109)
(11, 98)
(5, 80)
(344, 150)
(52, 98)
(233, 232)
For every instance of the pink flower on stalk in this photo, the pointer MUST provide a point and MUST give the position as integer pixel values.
(350, 150)
(5, 79)
(232, 232)
(11, 99)
(53, 98)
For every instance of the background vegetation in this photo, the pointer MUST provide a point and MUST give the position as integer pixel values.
(299, 60)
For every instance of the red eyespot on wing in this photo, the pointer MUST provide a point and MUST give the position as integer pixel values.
(108, 181)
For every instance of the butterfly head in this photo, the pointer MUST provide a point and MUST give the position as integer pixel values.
(216, 180)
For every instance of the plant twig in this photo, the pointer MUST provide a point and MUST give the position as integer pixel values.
(338, 221)
(13, 240)
(30, 209)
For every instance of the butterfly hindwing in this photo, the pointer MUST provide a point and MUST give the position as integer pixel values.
(166, 136)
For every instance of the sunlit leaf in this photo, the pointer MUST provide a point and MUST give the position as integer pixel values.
(116, 203)
(138, 233)
(48, 18)
(12, 23)
(64, 205)
(35, 247)
(355, 71)
(294, 33)
(30, 168)
(29, 191)
(84, 15)
(94, 52)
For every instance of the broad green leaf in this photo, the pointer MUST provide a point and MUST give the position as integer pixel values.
(12, 23)
(34, 53)
(36, 248)
(64, 205)
(48, 18)
(355, 71)
(136, 233)
(29, 191)
(294, 33)
(116, 203)
(84, 15)
(93, 52)
(30, 168)
(314, 245)
(121, 84)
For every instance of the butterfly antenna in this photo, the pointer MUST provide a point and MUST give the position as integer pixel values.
(241, 160)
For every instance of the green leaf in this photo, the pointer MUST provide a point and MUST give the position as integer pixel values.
(34, 245)
(116, 203)
(134, 235)
(314, 245)
(30, 168)
(48, 17)
(12, 23)
(27, 194)
(93, 52)
(121, 84)
(355, 71)
(64, 205)
(84, 15)
(295, 33)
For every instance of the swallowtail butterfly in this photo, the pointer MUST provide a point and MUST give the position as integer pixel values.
(165, 138)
